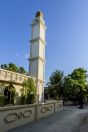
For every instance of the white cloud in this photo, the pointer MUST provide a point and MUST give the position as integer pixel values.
(16, 54)
(26, 56)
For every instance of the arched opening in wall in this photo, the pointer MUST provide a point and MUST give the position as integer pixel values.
(9, 94)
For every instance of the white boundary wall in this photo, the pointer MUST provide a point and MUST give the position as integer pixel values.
(14, 116)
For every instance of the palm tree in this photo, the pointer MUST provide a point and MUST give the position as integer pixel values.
(55, 85)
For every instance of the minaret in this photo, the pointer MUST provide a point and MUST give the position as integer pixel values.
(37, 53)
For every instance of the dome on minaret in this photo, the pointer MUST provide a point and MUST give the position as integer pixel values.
(38, 14)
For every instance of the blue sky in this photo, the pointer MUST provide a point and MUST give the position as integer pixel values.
(66, 36)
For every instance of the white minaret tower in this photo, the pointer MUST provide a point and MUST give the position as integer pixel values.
(37, 53)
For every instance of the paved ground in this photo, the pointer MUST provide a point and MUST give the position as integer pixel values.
(69, 120)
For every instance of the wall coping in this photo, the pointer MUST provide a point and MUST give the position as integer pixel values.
(27, 105)
(16, 107)
(17, 73)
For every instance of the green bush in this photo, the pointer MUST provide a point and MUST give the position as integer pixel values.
(23, 99)
(28, 94)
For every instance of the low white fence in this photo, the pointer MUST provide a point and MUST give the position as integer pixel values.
(14, 116)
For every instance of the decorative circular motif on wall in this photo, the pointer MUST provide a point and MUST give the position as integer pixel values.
(59, 106)
(12, 117)
(43, 110)
(47, 108)
(27, 113)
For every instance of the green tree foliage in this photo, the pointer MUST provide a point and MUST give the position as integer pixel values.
(55, 85)
(4, 66)
(75, 85)
(13, 67)
(21, 70)
(28, 92)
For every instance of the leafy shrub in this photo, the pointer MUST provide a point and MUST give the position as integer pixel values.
(23, 99)
(28, 92)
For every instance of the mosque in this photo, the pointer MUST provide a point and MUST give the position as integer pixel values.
(36, 60)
